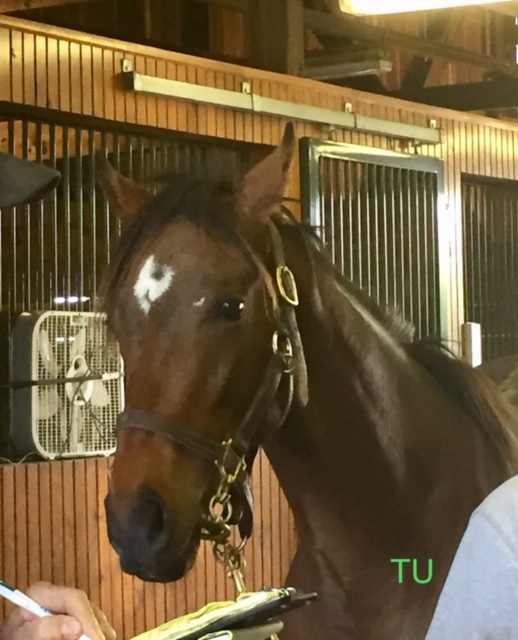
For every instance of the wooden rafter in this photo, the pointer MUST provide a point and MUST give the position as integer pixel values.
(276, 32)
(443, 27)
(501, 93)
(360, 31)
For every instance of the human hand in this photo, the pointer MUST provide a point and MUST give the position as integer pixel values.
(75, 615)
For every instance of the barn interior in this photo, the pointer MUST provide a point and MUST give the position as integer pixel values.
(407, 169)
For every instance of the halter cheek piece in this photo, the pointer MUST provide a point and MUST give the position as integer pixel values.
(230, 456)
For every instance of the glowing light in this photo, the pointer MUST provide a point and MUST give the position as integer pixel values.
(377, 7)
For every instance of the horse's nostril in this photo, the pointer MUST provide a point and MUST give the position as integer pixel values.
(156, 520)
(153, 515)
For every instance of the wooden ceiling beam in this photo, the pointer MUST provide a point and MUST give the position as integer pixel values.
(501, 93)
(276, 35)
(358, 30)
(443, 27)
(6, 6)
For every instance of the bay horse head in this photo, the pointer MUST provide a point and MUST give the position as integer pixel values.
(200, 300)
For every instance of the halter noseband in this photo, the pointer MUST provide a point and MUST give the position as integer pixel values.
(230, 455)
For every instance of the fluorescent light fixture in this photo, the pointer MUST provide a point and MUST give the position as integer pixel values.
(377, 7)
(70, 299)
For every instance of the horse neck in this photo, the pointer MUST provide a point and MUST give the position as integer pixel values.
(371, 415)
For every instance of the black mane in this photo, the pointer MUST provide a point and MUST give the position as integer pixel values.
(494, 417)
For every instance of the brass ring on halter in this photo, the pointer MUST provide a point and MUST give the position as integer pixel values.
(226, 509)
(286, 354)
(287, 285)
(287, 350)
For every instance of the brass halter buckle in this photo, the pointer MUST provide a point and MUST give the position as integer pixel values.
(287, 285)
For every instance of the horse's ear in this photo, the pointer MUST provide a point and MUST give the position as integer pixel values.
(264, 185)
(126, 198)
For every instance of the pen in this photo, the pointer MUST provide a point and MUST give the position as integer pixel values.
(22, 600)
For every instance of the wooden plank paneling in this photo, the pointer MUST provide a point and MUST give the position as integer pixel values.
(53, 527)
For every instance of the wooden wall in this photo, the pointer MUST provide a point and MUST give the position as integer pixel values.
(52, 527)
(52, 516)
(74, 72)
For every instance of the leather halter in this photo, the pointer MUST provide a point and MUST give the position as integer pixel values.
(230, 455)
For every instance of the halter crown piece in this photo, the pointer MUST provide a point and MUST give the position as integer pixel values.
(230, 456)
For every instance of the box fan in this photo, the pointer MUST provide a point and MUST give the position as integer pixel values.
(67, 385)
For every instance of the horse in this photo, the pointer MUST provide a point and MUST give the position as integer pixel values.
(238, 333)
(504, 374)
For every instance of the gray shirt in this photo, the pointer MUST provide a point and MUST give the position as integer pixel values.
(479, 600)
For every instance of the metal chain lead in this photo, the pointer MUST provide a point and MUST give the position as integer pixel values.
(231, 556)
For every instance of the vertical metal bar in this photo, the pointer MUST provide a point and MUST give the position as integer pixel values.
(13, 218)
(90, 197)
(366, 240)
(503, 278)
(428, 263)
(67, 270)
(331, 168)
(351, 185)
(493, 274)
(385, 186)
(479, 306)
(140, 166)
(410, 247)
(153, 169)
(40, 209)
(359, 220)
(26, 240)
(436, 189)
(53, 271)
(402, 243)
(419, 210)
(485, 267)
(377, 251)
(468, 245)
(322, 195)
(494, 264)
(394, 186)
(79, 249)
(341, 200)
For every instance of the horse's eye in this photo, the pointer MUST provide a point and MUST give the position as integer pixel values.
(230, 308)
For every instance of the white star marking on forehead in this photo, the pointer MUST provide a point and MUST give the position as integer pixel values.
(153, 281)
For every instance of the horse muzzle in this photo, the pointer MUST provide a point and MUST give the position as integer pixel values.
(145, 542)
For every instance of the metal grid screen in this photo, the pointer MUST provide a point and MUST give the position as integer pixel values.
(377, 215)
(490, 251)
(53, 253)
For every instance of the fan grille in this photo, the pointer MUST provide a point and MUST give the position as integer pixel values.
(63, 427)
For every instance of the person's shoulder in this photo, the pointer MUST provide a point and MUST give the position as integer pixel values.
(500, 509)
(506, 495)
